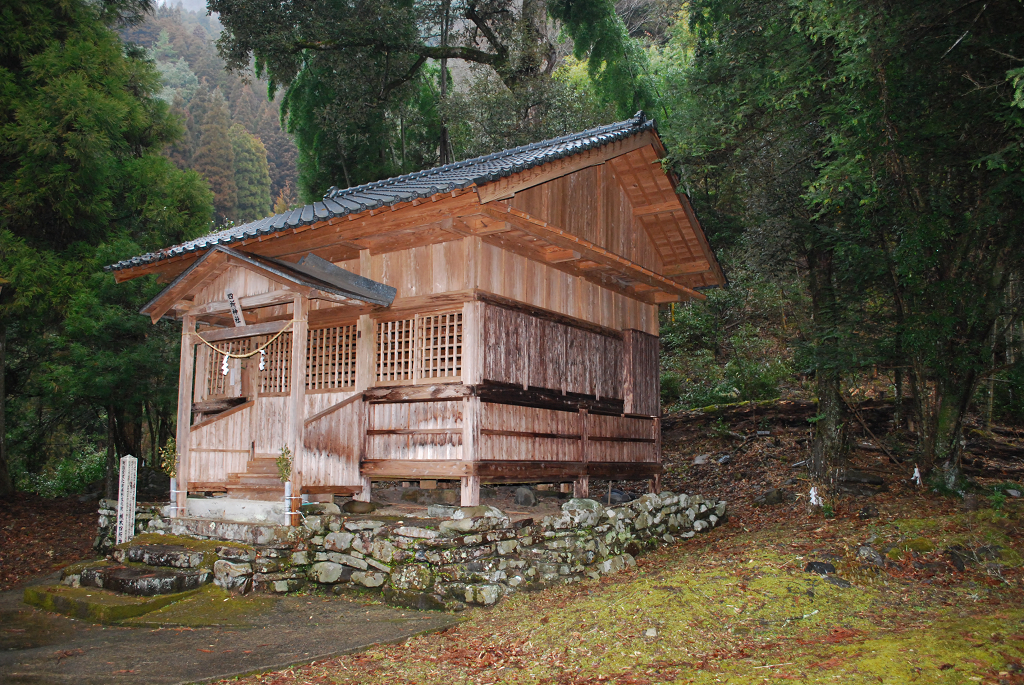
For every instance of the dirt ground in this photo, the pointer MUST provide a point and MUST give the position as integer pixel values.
(39, 536)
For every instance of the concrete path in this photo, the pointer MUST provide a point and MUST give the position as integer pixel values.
(209, 639)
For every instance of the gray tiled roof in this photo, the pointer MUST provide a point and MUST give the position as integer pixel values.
(422, 184)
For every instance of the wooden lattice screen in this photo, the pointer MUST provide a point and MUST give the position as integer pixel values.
(439, 345)
(395, 350)
(274, 377)
(217, 383)
(331, 358)
(427, 346)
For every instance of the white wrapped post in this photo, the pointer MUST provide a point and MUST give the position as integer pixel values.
(126, 499)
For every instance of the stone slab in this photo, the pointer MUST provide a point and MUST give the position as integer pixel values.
(93, 604)
(285, 631)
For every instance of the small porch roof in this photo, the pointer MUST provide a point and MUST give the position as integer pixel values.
(311, 276)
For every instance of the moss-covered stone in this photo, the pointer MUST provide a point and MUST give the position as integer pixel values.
(95, 605)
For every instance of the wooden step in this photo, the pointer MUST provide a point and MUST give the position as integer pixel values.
(265, 494)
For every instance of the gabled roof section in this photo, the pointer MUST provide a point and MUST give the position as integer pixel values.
(478, 171)
(309, 275)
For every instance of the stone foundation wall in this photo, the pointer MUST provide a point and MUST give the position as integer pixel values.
(149, 517)
(465, 555)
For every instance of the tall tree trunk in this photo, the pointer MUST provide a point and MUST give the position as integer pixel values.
(829, 451)
(6, 486)
(944, 429)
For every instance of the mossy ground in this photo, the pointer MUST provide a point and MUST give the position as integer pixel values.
(94, 604)
(736, 606)
(211, 606)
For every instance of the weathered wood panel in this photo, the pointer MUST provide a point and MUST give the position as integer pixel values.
(422, 270)
(220, 447)
(532, 352)
(510, 275)
(621, 439)
(271, 424)
(333, 444)
(591, 204)
(640, 377)
(528, 433)
(414, 430)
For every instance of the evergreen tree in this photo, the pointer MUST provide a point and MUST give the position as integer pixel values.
(252, 176)
(83, 185)
(215, 159)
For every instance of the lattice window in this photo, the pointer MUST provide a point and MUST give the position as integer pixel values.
(439, 345)
(425, 347)
(217, 383)
(274, 377)
(395, 350)
(331, 358)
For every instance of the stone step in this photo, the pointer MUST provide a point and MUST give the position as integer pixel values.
(169, 556)
(270, 532)
(144, 581)
(264, 507)
(94, 604)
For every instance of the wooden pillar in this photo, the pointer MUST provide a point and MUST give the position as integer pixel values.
(470, 449)
(581, 486)
(472, 343)
(186, 370)
(362, 439)
(297, 402)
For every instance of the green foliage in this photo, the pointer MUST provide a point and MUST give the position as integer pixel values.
(84, 185)
(214, 159)
(81, 465)
(284, 464)
(252, 175)
(488, 116)
(167, 457)
(617, 63)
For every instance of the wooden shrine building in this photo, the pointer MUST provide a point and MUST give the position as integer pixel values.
(493, 320)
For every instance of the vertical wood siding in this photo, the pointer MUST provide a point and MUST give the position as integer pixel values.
(220, 448)
(519, 278)
(332, 447)
(641, 388)
(404, 416)
(527, 351)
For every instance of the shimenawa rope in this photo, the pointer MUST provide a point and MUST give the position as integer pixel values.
(247, 354)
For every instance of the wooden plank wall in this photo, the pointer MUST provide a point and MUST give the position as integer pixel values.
(272, 426)
(641, 386)
(509, 432)
(414, 430)
(528, 351)
(637, 444)
(333, 446)
(220, 447)
(591, 204)
(516, 277)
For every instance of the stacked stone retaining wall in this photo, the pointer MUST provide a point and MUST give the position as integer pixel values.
(463, 555)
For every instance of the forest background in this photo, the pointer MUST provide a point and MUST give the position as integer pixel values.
(855, 163)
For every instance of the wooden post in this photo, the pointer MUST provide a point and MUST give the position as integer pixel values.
(581, 486)
(297, 402)
(472, 343)
(470, 449)
(655, 484)
(361, 428)
(186, 369)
